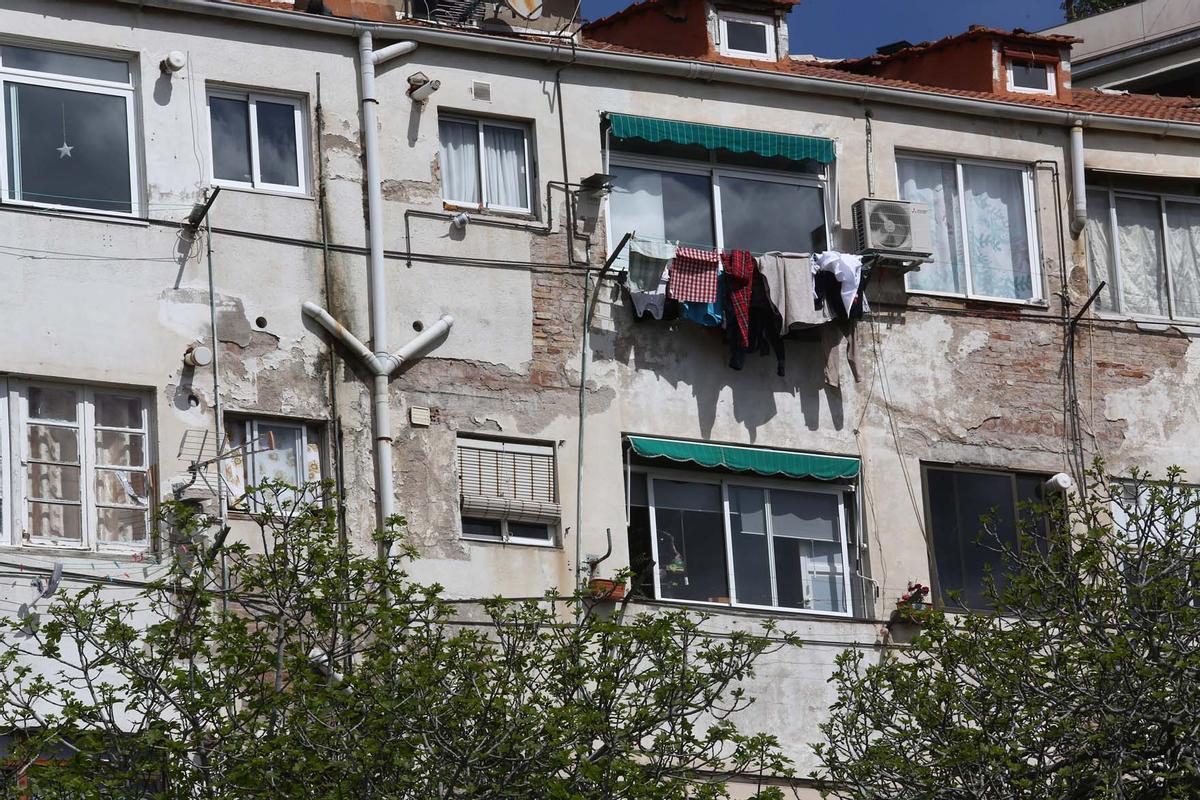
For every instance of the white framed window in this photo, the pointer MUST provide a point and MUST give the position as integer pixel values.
(984, 227)
(508, 491)
(746, 36)
(1145, 247)
(716, 206)
(1030, 77)
(68, 127)
(742, 541)
(269, 450)
(256, 140)
(78, 471)
(486, 164)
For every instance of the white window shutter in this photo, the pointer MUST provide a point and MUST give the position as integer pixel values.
(507, 480)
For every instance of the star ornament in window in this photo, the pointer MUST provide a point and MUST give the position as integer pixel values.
(64, 151)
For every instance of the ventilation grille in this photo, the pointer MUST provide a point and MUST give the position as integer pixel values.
(482, 91)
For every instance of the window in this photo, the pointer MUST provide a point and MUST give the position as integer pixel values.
(706, 205)
(984, 226)
(740, 542)
(485, 164)
(747, 36)
(68, 129)
(84, 476)
(508, 491)
(257, 141)
(1147, 247)
(957, 501)
(1030, 77)
(271, 450)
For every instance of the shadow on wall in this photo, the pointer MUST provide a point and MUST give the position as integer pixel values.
(686, 354)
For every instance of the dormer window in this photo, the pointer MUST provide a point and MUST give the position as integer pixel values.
(746, 36)
(1030, 77)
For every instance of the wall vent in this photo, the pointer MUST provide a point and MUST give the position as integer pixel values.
(482, 91)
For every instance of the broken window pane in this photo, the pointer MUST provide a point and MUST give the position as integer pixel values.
(68, 147)
(277, 146)
(121, 487)
(229, 124)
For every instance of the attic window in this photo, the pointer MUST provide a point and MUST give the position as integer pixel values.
(1030, 77)
(746, 36)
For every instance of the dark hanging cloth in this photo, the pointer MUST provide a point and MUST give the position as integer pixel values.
(829, 289)
(739, 283)
(763, 328)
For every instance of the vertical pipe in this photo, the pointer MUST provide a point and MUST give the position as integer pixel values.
(218, 408)
(1078, 187)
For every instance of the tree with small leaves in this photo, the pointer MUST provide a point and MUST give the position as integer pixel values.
(1079, 9)
(297, 668)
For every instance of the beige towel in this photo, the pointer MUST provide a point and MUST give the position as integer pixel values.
(790, 283)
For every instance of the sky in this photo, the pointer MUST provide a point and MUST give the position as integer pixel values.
(850, 28)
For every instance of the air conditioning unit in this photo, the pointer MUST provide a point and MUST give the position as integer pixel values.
(895, 229)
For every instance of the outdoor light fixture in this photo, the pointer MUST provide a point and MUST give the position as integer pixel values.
(420, 87)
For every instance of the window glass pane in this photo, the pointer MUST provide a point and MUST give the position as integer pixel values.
(1100, 244)
(805, 515)
(504, 167)
(746, 36)
(528, 530)
(52, 482)
(68, 147)
(997, 233)
(764, 215)
(810, 574)
(121, 488)
(103, 69)
(277, 146)
(1139, 247)
(52, 443)
(935, 184)
(637, 490)
(53, 403)
(641, 558)
(1183, 256)
(114, 448)
(671, 206)
(751, 561)
(1029, 76)
(958, 502)
(691, 541)
(487, 528)
(55, 521)
(115, 411)
(229, 121)
(122, 526)
(276, 454)
(460, 161)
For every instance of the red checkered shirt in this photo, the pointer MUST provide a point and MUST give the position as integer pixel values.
(693, 276)
(739, 282)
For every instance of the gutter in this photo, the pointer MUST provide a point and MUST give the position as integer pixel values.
(688, 70)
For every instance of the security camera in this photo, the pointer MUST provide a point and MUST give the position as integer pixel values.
(175, 61)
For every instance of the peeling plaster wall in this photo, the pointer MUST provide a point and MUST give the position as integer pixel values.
(943, 380)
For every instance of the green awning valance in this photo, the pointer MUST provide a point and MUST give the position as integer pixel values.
(714, 137)
(758, 460)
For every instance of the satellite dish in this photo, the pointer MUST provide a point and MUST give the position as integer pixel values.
(526, 9)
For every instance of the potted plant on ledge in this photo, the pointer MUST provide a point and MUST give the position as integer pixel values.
(912, 608)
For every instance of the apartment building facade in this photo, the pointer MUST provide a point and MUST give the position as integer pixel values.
(156, 344)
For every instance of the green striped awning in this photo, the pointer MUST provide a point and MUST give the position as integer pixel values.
(717, 137)
(760, 461)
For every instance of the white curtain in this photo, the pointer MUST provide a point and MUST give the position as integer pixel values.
(460, 161)
(1100, 244)
(504, 167)
(934, 183)
(997, 233)
(1139, 244)
(1183, 256)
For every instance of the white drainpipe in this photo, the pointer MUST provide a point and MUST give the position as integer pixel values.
(1078, 186)
(380, 362)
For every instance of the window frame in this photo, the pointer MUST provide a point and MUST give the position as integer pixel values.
(769, 23)
(526, 129)
(499, 445)
(53, 80)
(1028, 194)
(248, 423)
(251, 97)
(724, 481)
(1051, 87)
(1114, 253)
(15, 473)
(714, 170)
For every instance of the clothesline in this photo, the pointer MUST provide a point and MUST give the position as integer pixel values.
(707, 246)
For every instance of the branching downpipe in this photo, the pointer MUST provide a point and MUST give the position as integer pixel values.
(1078, 185)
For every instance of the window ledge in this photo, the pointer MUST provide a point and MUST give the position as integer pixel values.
(237, 187)
(755, 611)
(483, 211)
(511, 543)
(74, 213)
(149, 559)
(1040, 305)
